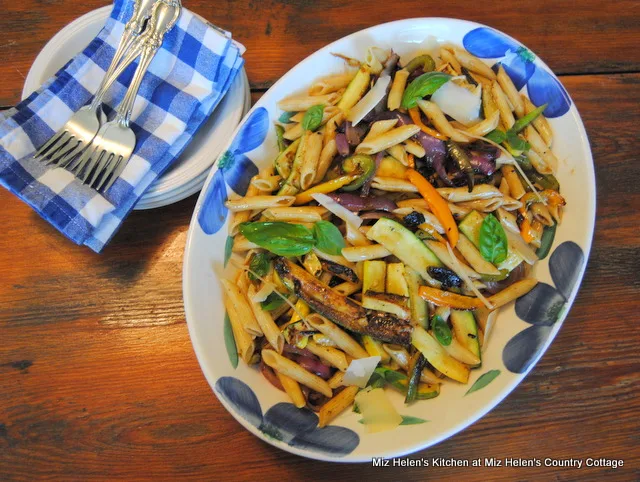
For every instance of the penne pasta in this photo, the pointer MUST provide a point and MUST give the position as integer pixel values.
(336, 405)
(399, 153)
(504, 186)
(355, 237)
(341, 260)
(446, 54)
(244, 341)
(324, 188)
(258, 202)
(364, 253)
(510, 91)
(501, 102)
(243, 216)
(328, 354)
(392, 184)
(240, 243)
(306, 214)
(332, 83)
(474, 258)
(474, 64)
(310, 160)
(550, 162)
(541, 214)
(296, 131)
(380, 127)
(336, 379)
(328, 153)
(355, 90)
(267, 184)
(440, 122)
(242, 308)
(285, 159)
(297, 103)
(291, 369)
(415, 148)
(482, 205)
(292, 388)
(516, 189)
(397, 89)
(512, 292)
(338, 335)
(540, 123)
(489, 124)
(271, 331)
(460, 194)
(510, 204)
(440, 250)
(348, 288)
(508, 220)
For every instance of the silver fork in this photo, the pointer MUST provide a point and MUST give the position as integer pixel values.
(81, 128)
(111, 148)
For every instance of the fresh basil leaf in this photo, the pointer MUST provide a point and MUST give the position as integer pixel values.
(376, 381)
(528, 119)
(493, 240)
(441, 330)
(483, 381)
(496, 136)
(546, 241)
(259, 264)
(516, 142)
(283, 239)
(328, 238)
(421, 86)
(409, 420)
(313, 117)
(273, 302)
(285, 117)
(280, 135)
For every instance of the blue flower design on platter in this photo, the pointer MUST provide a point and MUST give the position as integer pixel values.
(283, 421)
(518, 62)
(235, 169)
(543, 306)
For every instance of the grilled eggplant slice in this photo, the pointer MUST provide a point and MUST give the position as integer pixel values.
(340, 309)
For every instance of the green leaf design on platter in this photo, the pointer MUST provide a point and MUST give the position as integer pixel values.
(230, 342)
(483, 381)
(409, 420)
(228, 245)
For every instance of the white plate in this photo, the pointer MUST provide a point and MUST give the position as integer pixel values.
(514, 346)
(198, 157)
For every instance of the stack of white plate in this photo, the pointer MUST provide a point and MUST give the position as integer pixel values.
(187, 175)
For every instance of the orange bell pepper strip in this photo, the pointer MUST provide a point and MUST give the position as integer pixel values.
(414, 113)
(437, 205)
(525, 226)
(447, 298)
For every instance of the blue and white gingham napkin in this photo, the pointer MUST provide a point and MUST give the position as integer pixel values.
(186, 80)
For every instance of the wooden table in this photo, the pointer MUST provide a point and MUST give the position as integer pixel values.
(98, 379)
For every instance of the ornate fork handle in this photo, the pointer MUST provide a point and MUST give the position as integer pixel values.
(164, 16)
(132, 30)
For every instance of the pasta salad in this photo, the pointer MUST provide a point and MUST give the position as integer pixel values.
(407, 204)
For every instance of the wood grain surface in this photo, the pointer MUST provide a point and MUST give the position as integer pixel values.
(98, 379)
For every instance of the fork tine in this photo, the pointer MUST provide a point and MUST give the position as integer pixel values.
(68, 147)
(50, 156)
(101, 167)
(45, 147)
(95, 159)
(117, 170)
(71, 155)
(76, 165)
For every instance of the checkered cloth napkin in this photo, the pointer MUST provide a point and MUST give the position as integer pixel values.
(186, 80)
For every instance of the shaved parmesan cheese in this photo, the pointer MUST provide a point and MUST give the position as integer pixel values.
(338, 209)
(377, 412)
(461, 273)
(263, 292)
(360, 370)
(369, 101)
(458, 102)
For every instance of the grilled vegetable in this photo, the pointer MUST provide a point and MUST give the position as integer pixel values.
(340, 309)
(462, 160)
(342, 272)
(466, 330)
(387, 302)
(416, 365)
(360, 164)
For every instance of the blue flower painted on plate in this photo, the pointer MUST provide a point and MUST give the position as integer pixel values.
(543, 306)
(235, 169)
(517, 61)
(293, 426)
